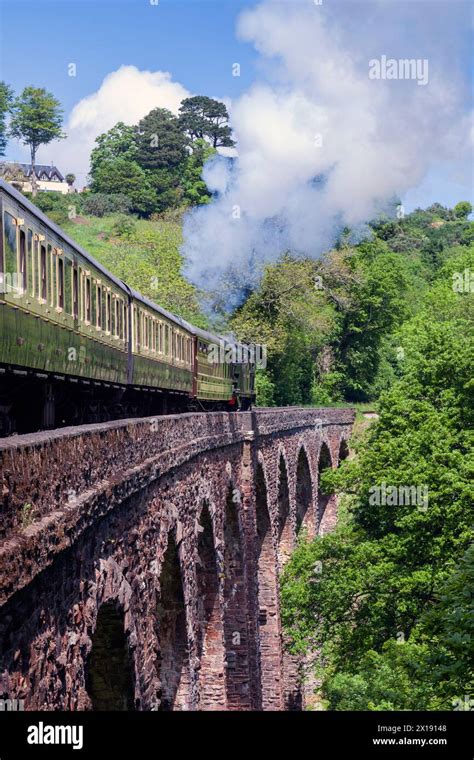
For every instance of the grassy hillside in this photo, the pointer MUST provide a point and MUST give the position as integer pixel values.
(143, 253)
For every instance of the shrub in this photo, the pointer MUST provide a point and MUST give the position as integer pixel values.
(100, 204)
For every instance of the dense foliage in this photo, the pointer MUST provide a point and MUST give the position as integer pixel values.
(157, 164)
(330, 325)
(391, 609)
(6, 99)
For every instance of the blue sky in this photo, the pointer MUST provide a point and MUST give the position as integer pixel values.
(192, 39)
(196, 42)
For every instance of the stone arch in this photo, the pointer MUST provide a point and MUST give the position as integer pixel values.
(237, 674)
(292, 694)
(326, 502)
(210, 634)
(304, 493)
(268, 616)
(285, 530)
(343, 451)
(109, 669)
(173, 660)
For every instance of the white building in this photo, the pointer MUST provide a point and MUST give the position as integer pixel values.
(47, 177)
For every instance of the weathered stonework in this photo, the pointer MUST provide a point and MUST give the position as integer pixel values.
(140, 560)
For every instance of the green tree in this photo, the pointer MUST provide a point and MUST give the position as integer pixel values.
(389, 610)
(462, 209)
(6, 99)
(36, 120)
(118, 142)
(161, 142)
(376, 303)
(70, 179)
(194, 188)
(205, 118)
(293, 318)
(121, 176)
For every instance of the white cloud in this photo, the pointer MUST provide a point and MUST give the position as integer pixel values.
(379, 138)
(125, 95)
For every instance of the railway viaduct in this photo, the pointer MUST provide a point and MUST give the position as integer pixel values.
(140, 559)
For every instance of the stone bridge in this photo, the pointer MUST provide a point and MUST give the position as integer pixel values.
(140, 559)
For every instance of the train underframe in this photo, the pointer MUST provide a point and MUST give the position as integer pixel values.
(33, 401)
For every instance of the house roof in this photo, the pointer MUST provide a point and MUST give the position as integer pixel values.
(40, 169)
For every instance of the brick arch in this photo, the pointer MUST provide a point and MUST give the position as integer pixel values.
(326, 502)
(108, 606)
(267, 593)
(210, 632)
(130, 483)
(304, 492)
(109, 671)
(173, 661)
(285, 527)
(236, 635)
(343, 452)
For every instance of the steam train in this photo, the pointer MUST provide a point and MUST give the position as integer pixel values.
(78, 345)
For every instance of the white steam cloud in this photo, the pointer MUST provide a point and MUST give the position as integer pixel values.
(320, 144)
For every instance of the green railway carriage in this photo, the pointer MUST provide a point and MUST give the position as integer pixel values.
(60, 311)
(161, 347)
(214, 378)
(78, 345)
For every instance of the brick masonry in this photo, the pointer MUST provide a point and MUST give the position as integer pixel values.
(140, 559)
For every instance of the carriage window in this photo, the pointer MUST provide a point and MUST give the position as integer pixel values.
(116, 320)
(50, 266)
(68, 307)
(137, 327)
(99, 306)
(113, 317)
(37, 268)
(88, 300)
(108, 308)
(23, 283)
(150, 333)
(31, 262)
(93, 302)
(60, 282)
(9, 265)
(119, 318)
(43, 274)
(75, 293)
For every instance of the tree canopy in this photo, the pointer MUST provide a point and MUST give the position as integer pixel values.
(391, 612)
(36, 119)
(6, 99)
(204, 118)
